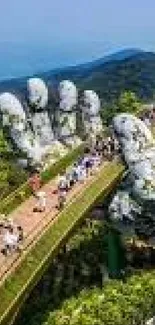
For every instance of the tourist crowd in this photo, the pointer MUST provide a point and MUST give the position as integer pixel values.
(85, 166)
(12, 235)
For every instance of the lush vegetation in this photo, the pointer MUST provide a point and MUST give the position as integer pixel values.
(116, 303)
(82, 265)
(134, 71)
(127, 102)
(75, 290)
(11, 175)
(35, 262)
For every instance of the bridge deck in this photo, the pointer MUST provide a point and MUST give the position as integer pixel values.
(34, 223)
(43, 234)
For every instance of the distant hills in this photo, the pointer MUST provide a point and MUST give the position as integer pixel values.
(125, 70)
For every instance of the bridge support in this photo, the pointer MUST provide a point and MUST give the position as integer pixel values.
(116, 254)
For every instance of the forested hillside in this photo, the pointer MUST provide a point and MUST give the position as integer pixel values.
(135, 72)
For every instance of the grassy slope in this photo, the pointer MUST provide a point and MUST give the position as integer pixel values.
(15, 289)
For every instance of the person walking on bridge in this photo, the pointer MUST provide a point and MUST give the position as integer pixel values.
(62, 191)
(35, 185)
(35, 182)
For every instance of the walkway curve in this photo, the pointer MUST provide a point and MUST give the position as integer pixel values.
(36, 223)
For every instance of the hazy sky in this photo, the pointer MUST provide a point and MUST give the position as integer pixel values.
(75, 30)
(114, 21)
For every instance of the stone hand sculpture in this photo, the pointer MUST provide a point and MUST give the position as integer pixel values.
(41, 123)
(90, 111)
(122, 206)
(67, 113)
(138, 148)
(14, 117)
(38, 100)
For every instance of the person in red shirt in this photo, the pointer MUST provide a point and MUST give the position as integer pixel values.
(35, 182)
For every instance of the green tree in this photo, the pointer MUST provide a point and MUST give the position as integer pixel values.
(128, 102)
(11, 175)
(108, 112)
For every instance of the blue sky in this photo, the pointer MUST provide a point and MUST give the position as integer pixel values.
(49, 33)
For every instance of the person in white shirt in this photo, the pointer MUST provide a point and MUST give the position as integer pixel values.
(41, 196)
(10, 240)
(83, 173)
(147, 122)
(80, 173)
(97, 162)
(62, 183)
(74, 173)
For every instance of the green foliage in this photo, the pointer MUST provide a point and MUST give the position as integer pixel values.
(108, 111)
(11, 175)
(31, 268)
(136, 74)
(75, 275)
(127, 102)
(4, 147)
(117, 303)
(78, 267)
(144, 221)
(109, 79)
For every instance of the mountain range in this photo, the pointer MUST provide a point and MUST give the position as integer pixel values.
(130, 69)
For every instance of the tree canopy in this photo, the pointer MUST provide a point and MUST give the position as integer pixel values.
(127, 102)
(11, 175)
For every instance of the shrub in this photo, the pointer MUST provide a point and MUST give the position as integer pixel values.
(117, 303)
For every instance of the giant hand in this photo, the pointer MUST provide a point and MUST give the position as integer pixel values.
(24, 137)
(90, 110)
(138, 148)
(15, 118)
(67, 113)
